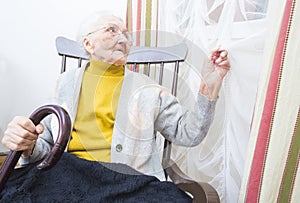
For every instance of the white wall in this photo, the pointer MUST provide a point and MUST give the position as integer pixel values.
(29, 63)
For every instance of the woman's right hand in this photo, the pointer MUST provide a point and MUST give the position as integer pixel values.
(21, 135)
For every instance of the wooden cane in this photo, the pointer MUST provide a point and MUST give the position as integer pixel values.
(57, 150)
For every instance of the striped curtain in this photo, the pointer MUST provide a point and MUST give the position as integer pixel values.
(272, 169)
(142, 21)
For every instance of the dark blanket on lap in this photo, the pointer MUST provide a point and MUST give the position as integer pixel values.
(77, 180)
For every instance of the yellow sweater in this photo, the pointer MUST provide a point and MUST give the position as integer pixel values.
(99, 96)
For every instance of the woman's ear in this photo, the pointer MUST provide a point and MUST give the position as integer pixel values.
(88, 45)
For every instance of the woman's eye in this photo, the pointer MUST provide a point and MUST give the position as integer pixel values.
(112, 29)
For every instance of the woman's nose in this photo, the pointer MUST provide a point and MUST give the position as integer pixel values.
(122, 39)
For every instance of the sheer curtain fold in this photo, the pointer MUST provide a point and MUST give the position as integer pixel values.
(240, 27)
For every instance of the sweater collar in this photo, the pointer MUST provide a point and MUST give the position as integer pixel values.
(102, 68)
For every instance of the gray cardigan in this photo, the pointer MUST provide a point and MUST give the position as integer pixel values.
(144, 107)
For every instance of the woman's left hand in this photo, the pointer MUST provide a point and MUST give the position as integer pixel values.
(213, 72)
(219, 60)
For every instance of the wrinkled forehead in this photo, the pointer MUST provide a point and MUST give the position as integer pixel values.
(96, 21)
(108, 20)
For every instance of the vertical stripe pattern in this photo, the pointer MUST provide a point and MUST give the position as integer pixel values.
(272, 171)
(142, 21)
(261, 149)
(291, 167)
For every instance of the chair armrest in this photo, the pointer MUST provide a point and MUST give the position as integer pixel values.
(201, 192)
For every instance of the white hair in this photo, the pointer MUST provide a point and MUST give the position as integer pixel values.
(92, 23)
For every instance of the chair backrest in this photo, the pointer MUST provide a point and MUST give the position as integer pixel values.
(149, 57)
(69, 49)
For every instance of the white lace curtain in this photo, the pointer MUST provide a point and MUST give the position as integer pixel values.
(240, 27)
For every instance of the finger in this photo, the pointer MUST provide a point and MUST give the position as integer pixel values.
(12, 146)
(220, 59)
(23, 143)
(219, 55)
(224, 64)
(16, 130)
(17, 145)
(214, 53)
(18, 139)
(25, 123)
(39, 128)
(223, 53)
(28, 125)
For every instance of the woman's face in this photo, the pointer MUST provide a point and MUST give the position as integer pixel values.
(110, 43)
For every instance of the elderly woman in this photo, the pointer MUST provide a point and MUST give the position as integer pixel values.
(115, 112)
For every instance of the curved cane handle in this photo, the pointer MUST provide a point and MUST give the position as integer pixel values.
(63, 133)
(56, 151)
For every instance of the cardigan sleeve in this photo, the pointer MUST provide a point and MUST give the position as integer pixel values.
(181, 126)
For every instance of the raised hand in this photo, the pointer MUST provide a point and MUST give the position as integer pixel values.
(219, 61)
(214, 70)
